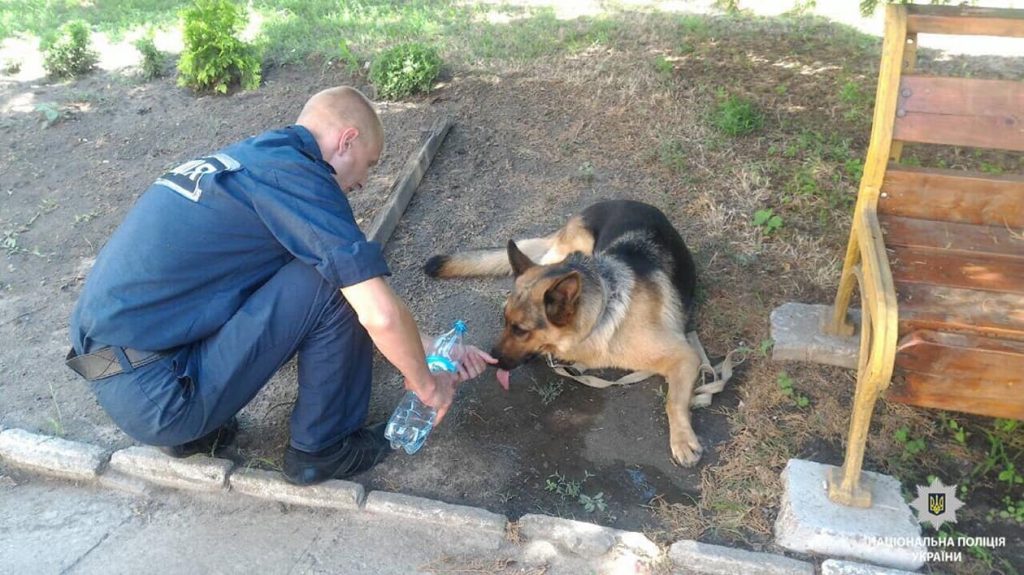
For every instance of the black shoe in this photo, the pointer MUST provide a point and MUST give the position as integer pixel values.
(209, 444)
(355, 454)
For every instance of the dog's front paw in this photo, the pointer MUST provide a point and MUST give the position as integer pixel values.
(686, 450)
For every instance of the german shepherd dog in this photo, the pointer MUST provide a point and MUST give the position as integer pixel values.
(614, 288)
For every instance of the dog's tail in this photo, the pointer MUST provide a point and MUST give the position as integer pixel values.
(489, 262)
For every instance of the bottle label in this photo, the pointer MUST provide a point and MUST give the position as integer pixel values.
(437, 363)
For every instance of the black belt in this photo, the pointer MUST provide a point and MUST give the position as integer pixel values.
(110, 361)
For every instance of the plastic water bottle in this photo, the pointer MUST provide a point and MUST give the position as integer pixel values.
(412, 420)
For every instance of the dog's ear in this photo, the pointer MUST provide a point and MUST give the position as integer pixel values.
(520, 263)
(561, 299)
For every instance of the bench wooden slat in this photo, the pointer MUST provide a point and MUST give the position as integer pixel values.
(938, 267)
(961, 373)
(954, 196)
(965, 240)
(963, 20)
(960, 112)
(971, 311)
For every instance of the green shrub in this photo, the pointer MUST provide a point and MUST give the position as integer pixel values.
(68, 54)
(404, 70)
(737, 117)
(153, 60)
(214, 58)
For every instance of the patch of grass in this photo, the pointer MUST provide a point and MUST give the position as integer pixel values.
(663, 66)
(115, 18)
(404, 70)
(736, 116)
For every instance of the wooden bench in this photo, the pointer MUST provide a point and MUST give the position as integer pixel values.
(938, 254)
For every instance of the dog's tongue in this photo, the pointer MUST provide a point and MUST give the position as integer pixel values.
(503, 379)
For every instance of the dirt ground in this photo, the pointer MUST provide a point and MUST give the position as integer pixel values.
(529, 147)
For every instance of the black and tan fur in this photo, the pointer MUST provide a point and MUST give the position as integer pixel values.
(613, 288)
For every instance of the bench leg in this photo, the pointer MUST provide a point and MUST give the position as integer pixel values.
(844, 485)
(840, 325)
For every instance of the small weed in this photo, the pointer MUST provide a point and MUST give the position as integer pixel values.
(404, 70)
(767, 221)
(672, 155)
(69, 55)
(586, 172)
(11, 67)
(736, 116)
(87, 217)
(911, 446)
(959, 433)
(50, 112)
(58, 423)
(573, 490)
(549, 391)
(786, 388)
(765, 346)
(153, 60)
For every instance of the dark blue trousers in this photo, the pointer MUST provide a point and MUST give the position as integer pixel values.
(199, 387)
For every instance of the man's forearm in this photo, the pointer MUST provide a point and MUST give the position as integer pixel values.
(392, 329)
(403, 346)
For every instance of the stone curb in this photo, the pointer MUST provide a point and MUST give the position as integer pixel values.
(52, 455)
(135, 468)
(715, 559)
(197, 472)
(798, 332)
(334, 494)
(837, 567)
(422, 509)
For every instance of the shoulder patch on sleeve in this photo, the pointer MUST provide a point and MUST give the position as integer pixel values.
(186, 178)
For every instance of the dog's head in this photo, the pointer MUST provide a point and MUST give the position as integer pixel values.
(540, 312)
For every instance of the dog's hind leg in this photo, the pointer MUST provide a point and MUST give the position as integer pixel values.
(685, 445)
(573, 237)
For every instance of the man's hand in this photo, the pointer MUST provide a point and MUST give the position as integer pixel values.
(441, 395)
(472, 361)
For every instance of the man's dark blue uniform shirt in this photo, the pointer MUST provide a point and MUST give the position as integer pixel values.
(209, 233)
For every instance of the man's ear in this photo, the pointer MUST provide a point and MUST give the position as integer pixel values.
(347, 139)
(520, 263)
(561, 299)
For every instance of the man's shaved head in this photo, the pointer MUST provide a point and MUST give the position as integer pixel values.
(341, 107)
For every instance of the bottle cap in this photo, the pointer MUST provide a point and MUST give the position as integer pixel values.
(460, 326)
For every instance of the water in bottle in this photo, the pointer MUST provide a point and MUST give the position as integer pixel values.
(412, 421)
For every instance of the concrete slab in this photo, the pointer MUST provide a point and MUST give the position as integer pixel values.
(334, 494)
(886, 533)
(837, 567)
(148, 463)
(52, 455)
(48, 527)
(694, 557)
(797, 330)
(579, 537)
